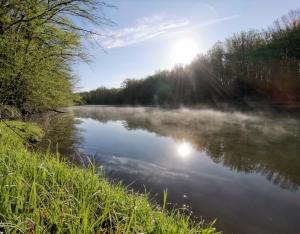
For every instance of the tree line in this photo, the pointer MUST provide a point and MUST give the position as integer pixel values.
(250, 66)
(39, 41)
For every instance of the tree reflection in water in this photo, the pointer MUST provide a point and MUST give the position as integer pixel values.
(249, 143)
(61, 135)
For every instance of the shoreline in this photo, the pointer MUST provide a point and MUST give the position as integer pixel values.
(42, 193)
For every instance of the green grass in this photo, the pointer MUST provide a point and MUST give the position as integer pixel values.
(40, 193)
(30, 132)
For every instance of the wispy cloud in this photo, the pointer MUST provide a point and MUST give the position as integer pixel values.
(217, 21)
(150, 27)
(145, 29)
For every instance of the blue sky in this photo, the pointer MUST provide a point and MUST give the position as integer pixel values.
(149, 34)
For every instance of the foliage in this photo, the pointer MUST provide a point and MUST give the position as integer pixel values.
(47, 195)
(39, 40)
(248, 67)
(9, 112)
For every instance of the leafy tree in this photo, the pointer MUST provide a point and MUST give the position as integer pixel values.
(39, 40)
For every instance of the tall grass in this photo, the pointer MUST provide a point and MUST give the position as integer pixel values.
(40, 193)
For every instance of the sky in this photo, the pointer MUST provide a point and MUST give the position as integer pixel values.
(152, 35)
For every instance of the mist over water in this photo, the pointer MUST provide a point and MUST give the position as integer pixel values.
(241, 168)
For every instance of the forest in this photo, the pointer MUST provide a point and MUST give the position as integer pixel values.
(39, 43)
(249, 67)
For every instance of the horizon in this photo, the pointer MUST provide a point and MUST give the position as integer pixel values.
(156, 36)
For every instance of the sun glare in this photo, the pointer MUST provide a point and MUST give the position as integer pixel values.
(183, 51)
(184, 149)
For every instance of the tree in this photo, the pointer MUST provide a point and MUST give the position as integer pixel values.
(39, 40)
(250, 66)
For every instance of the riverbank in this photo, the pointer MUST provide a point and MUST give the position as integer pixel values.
(40, 193)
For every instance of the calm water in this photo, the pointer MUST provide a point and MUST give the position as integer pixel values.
(243, 170)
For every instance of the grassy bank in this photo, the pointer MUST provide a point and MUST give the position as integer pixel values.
(39, 193)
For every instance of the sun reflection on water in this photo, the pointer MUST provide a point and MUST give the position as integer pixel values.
(184, 149)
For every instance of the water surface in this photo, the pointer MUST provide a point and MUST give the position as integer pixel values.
(242, 169)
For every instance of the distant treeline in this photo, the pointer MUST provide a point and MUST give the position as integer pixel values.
(249, 66)
(39, 40)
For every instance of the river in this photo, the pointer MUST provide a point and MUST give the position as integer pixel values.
(242, 169)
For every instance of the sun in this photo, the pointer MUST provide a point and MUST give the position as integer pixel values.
(184, 149)
(183, 51)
